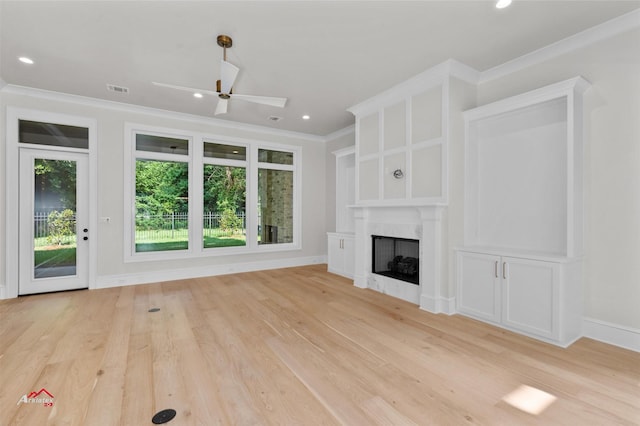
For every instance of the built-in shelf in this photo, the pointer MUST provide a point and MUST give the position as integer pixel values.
(520, 266)
(523, 182)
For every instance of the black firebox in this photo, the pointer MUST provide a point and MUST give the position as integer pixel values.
(397, 258)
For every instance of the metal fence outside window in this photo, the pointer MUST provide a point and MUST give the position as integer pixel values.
(176, 225)
(152, 227)
(41, 226)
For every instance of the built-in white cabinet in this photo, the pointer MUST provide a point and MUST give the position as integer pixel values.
(341, 253)
(520, 266)
(478, 286)
(536, 297)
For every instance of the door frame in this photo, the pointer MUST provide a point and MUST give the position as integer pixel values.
(12, 183)
(27, 282)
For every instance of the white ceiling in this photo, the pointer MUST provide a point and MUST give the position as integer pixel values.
(324, 56)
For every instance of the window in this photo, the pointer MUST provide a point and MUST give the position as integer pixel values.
(275, 197)
(40, 133)
(161, 194)
(224, 195)
(199, 195)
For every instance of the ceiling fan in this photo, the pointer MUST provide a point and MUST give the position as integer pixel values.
(224, 86)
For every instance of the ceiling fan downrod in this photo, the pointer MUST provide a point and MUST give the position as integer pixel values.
(224, 41)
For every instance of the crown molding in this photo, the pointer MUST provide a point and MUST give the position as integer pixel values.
(344, 151)
(340, 133)
(425, 80)
(608, 29)
(553, 91)
(156, 112)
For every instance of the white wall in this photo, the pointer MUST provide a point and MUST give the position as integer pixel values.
(111, 200)
(612, 167)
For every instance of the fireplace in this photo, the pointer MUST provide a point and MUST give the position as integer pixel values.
(397, 258)
(422, 224)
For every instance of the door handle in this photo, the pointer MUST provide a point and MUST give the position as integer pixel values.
(495, 269)
(504, 270)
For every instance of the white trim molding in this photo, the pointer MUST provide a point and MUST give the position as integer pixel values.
(170, 115)
(340, 133)
(121, 280)
(12, 237)
(441, 305)
(584, 38)
(613, 334)
(428, 79)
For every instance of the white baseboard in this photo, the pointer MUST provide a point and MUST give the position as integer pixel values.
(614, 334)
(438, 306)
(360, 281)
(107, 281)
(448, 305)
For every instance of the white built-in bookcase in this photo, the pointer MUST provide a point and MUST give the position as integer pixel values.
(521, 265)
(523, 182)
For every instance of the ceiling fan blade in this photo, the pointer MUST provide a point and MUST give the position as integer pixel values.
(264, 100)
(221, 108)
(186, 89)
(228, 74)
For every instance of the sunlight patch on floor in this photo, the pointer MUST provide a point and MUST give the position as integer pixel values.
(529, 399)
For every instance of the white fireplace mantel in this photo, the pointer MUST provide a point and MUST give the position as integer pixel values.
(423, 223)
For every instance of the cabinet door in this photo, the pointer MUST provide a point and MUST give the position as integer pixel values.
(335, 254)
(531, 296)
(349, 256)
(478, 280)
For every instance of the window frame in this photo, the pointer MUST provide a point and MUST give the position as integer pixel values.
(225, 162)
(197, 160)
(296, 197)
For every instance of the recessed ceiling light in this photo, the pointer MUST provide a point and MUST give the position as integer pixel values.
(197, 95)
(25, 60)
(501, 4)
(305, 117)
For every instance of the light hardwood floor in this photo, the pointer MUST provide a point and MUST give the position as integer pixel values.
(294, 346)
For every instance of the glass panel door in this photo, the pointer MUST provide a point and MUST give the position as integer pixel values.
(53, 221)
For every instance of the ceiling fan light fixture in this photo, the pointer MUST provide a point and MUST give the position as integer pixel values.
(224, 86)
(501, 4)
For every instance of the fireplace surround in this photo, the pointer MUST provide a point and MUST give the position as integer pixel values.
(421, 223)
